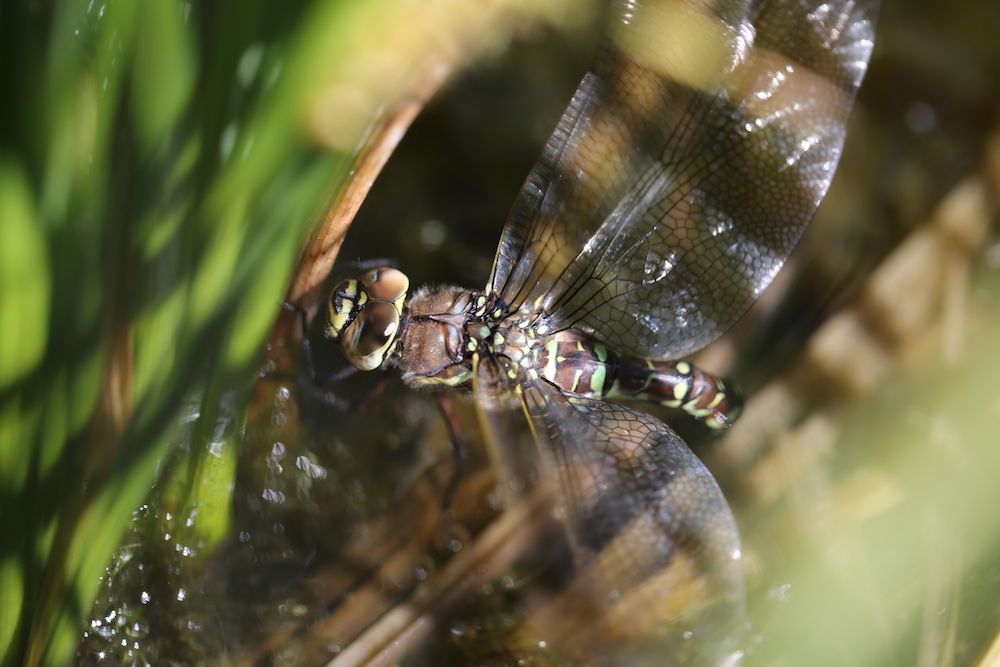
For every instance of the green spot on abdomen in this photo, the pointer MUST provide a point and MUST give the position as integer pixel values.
(598, 378)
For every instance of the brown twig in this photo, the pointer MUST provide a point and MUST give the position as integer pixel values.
(322, 249)
(405, 626)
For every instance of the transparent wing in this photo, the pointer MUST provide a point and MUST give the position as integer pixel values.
(656, 547)
(502, 417)
(685, 169)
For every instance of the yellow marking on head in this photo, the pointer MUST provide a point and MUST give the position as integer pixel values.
(683, 367)
(576, 379)
(338, 321)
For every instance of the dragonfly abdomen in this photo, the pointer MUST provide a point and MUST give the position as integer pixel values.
(678, 384)
(580, 365)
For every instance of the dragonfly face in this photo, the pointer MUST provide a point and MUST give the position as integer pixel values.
(364, 314)
(677, 182)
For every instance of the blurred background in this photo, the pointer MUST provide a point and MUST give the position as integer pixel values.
(174, 487)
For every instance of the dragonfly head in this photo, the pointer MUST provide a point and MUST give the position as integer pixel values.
(364, 315)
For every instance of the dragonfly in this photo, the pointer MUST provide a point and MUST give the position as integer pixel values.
(686, 167)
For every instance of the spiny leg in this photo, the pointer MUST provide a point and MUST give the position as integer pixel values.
(320, 387)
(457, 450)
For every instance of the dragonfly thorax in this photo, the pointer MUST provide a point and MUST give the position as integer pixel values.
(445, 328)
(433, 339)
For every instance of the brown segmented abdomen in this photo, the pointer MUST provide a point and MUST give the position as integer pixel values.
(678, 384)
(580, 365)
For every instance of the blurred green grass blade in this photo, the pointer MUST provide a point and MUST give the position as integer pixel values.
(18, 424)
(11, 600)
(163, 72)
(204, 284)
(25, 287)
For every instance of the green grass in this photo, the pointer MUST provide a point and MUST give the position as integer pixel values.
(156, 182)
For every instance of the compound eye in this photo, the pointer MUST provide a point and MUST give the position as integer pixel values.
(386, 284)
(368, 339)
(346, 301)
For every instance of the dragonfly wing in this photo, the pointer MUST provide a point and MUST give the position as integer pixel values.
(685, 169)
(656, 546)
(501, 416)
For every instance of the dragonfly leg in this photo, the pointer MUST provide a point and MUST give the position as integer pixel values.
(303, 319)
(457, 450)
(320, 384)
